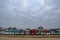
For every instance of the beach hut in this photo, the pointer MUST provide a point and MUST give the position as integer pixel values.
(53, 31)
(57, 31)
(1, 30)
(27, 31)
(11, 31)
(14, 30)
(43, 31)
(48, 32)
(38, 32)
(32, 31)
(6, 31)
(21, 32)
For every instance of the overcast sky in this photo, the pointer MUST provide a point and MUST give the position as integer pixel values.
(30, 13)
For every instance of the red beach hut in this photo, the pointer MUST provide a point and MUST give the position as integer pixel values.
(32, 32)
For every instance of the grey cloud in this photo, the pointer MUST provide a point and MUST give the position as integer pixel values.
(13, 12)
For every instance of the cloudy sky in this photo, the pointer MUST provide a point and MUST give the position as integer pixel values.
(30, 13)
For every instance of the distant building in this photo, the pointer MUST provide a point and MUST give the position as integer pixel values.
(40, 27)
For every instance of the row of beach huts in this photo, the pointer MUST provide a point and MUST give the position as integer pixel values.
(39, 31)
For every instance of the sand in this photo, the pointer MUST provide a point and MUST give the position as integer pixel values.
(4, 37)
